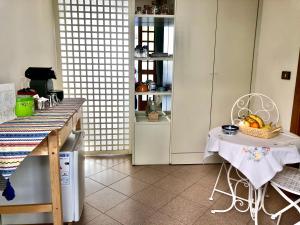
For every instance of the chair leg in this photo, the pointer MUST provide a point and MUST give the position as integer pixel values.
(278, 220)
(292, 204)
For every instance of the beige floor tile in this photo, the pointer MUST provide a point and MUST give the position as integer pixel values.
(153, 197)
(274, 202)
(129, 186)
(88, 214)
(111, 160)
(149, 175)
(266, 220)
(103, 220)
(161, 219)
(233, 216)
(194, 183)
(290, 217)
(221, 219)
(107, 177)
(202, 170)
(172, 184)
(183, 210)
(187, 177)
(91, 167)
(199, 194)
(105, 199)
(130, 212)
(127, 168)
(165, 168)
(92, 186)
(210, 180)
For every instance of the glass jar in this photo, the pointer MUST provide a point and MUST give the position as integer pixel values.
(138, 10)
(151, 106)
(165, 9)
(155, 8)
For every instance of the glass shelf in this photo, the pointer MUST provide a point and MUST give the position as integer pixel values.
(154, 93)
(151, 20)
(165, 58)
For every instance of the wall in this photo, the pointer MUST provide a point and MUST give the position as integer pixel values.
(27, 38)
(278, 50)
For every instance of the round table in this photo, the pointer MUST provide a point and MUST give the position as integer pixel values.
(257, 159)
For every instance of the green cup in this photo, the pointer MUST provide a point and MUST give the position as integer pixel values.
(24, 105)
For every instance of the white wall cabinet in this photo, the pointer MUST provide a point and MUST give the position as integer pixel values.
(152, 143)
(213, 64)
(234, 53)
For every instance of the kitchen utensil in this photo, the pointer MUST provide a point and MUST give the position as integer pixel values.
(151, 106)
(138, 10)
(161, 89)
(151, 85)
(43, 103)
(230, 129)
(142, 87)
(59, 94)
(53, 100)
(26, 91)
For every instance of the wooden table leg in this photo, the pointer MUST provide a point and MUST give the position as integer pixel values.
(78, 124)
(55, 178)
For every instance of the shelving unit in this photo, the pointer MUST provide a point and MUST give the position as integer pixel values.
(144, 120)
(162, 93)
(157, 32)
(165, 58)
(152, 20)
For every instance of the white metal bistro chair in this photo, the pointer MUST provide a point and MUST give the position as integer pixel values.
(287, 180)
(253, 103)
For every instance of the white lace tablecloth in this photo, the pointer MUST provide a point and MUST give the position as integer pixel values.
(258, 159)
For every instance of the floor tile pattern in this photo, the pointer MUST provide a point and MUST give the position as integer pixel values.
(118, 193)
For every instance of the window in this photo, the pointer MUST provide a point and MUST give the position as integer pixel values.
(94, 40)
(146, 69)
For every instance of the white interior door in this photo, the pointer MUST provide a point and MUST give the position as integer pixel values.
(195, 24)
(234, 53)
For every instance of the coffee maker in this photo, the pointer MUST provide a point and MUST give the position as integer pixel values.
(41, 79)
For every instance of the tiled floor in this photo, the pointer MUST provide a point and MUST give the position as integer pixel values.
(118, 193)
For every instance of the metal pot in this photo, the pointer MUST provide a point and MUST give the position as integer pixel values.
(151, 85)
(141, 87)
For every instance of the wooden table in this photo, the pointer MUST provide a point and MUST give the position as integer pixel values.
(50, 147)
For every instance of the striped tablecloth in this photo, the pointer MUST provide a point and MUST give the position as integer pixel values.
(21, 136)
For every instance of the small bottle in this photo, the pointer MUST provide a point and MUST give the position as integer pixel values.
(155, 8)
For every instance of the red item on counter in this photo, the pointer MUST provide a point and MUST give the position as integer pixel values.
(27, 91)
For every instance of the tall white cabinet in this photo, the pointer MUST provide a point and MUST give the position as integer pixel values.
(155, 31)
(234, 54)
(214, 47)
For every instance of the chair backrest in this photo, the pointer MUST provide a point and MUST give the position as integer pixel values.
(255, 103)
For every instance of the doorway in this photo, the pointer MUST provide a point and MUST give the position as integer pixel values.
(295, 123)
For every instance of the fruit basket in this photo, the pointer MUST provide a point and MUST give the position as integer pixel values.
(261, 133)
(256, 115)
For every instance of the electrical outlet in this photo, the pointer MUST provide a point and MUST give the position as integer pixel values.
(286, 75)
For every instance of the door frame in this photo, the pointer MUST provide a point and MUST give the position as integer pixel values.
(295, 121)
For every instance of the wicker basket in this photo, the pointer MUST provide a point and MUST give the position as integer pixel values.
(261, 133)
